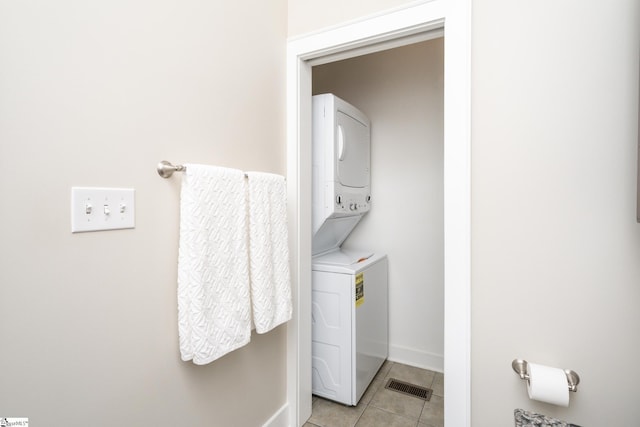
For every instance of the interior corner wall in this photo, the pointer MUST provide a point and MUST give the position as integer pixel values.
(401, 92)
(96, 94)
(555, 245)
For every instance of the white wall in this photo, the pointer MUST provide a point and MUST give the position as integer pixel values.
(401, 91)
(95, 94)
(308, 16)
(556, 248)
(555, 244)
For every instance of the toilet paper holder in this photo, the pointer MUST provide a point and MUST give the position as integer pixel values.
(520, 366)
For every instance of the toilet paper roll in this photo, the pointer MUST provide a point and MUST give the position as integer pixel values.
(548, 384)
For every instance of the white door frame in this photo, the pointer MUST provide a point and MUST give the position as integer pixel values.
(403, 26)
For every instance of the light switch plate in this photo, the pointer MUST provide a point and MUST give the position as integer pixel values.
(95, 208)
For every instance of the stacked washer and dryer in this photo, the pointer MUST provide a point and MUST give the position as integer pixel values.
(349, 288)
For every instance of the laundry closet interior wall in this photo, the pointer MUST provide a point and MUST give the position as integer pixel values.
(401, 91)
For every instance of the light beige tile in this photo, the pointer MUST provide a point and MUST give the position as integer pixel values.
(384, 369)
(381, 407)
(326, 413)
(433, 412)
(398, 403)
(374, 417)
(438, 384)
(413, 375)
(371, 391)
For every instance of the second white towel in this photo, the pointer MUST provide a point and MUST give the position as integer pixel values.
(268, 251)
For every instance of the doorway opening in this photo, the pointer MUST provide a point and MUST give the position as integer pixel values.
(397, 28)
(400, 90)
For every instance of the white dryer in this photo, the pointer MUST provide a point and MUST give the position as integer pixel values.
(349, 290)
(341, 170)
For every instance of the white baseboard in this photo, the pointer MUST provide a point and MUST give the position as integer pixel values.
(280, 418)
(417, 358)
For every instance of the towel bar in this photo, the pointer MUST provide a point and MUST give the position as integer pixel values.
(166, 169)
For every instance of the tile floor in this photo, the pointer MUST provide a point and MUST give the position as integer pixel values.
(386, 408)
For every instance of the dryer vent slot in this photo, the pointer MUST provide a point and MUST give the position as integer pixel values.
(409, 389)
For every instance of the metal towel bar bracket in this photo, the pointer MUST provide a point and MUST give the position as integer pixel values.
(166, 169)
(520, 366)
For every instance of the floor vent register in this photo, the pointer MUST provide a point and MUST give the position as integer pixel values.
(409, 389)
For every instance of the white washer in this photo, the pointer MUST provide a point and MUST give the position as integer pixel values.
(349, 324)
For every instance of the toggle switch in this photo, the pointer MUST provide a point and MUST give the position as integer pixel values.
(118, 208)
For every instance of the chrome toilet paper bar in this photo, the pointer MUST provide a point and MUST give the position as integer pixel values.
(520, 366)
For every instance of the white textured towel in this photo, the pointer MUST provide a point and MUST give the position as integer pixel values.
(269, 251)
(214, 307)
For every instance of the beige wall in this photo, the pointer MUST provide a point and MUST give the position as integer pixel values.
(307, 16)
(555, 245)
(401, 91)
(95, 94)
(556, 248)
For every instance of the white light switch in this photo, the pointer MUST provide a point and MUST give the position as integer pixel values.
(118, 208)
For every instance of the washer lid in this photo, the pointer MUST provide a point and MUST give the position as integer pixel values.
(323, 262)
(342, 257)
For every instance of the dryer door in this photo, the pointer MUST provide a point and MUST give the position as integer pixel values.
(353, 151)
